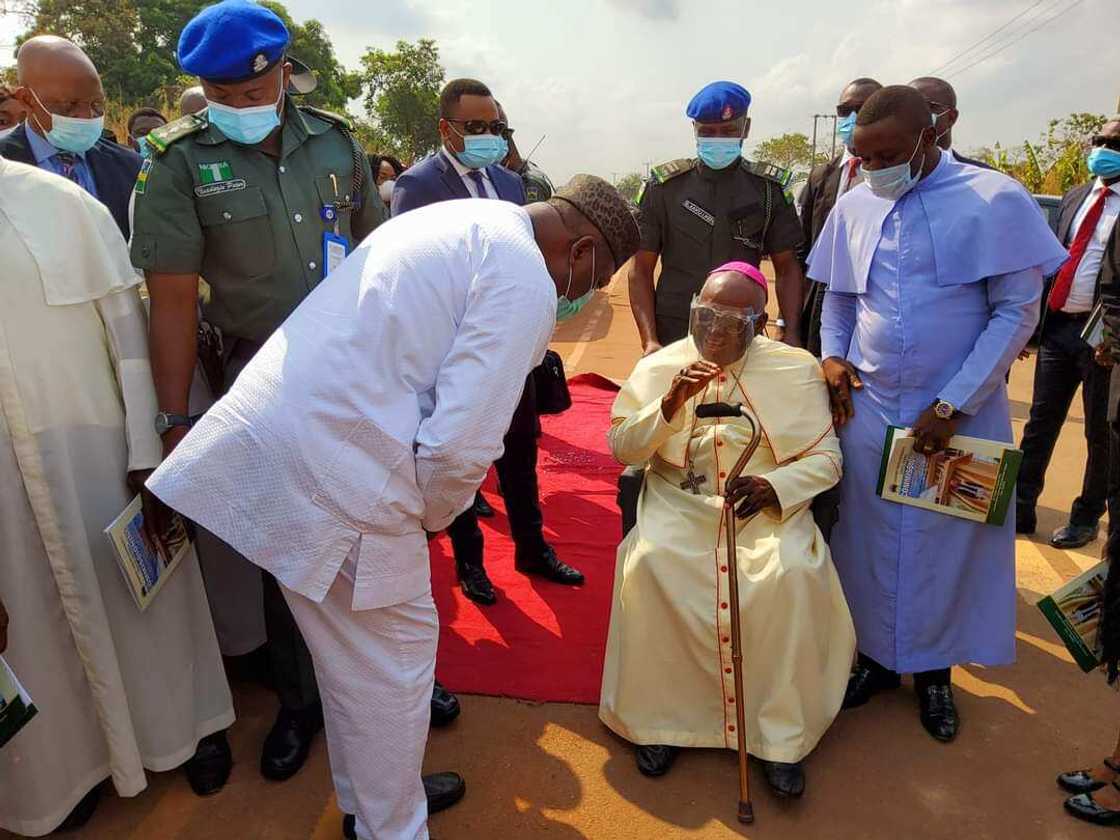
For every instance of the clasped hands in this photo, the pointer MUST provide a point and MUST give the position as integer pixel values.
(931, 432)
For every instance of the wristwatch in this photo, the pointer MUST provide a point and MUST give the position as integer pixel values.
(166, 422)
(944, 410)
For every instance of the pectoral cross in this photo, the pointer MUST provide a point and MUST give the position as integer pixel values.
(693, 481)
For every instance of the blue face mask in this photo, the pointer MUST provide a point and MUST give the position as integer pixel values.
(1104, 163)
(893, 182)
(845, 128)
(247, 126)
(719, 152)
(71, 134)
(481, 150)
(566, 308)
(505, 149)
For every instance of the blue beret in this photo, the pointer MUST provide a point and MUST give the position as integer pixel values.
(719, 102)
(232, 41)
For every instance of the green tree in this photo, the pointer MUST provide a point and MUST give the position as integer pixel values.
(790, 151)
(1055, 163)
(402, 98)
(311, 45)
(629, 185)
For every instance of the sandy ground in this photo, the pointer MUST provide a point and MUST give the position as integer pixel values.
(552, 770)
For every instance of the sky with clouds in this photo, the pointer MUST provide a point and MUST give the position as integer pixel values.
(607, 80)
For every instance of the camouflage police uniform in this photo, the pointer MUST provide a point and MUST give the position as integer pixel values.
(697, 218)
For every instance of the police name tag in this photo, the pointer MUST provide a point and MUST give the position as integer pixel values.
(699, 212)
(334, 251)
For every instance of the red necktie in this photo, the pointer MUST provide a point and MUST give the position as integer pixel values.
(1064, 283)
(853, 167)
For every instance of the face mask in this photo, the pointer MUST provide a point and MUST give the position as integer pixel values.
(893, 182)
(247, 126)
(505, 149)
(719, 152)
(845, 128)
(4, 132)
(386, 190)
(935, 118)
(481, 150)
(566, 308)
(71, 134)
(1104, 163)
(142, 147)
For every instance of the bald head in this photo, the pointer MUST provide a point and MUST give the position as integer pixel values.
(192, 101)
(733, 290)
(942, 102)
(55, 76)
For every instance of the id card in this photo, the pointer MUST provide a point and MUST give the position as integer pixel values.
(335, 248)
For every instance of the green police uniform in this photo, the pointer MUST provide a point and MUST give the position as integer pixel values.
(249, 223)
(538, 186)
(697, 218)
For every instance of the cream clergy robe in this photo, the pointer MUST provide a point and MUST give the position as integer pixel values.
(668, 677)
(118, 691)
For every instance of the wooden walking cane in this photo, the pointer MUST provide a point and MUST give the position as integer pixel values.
(713, 410)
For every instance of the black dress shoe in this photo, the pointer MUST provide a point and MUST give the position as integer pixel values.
(445, 706)
(866, 680)
(1073, 536)
(289, 742)
(938, 711)
(785, 780)
(1084, 807)
(1079, 781)
(655, 759)
(208, 769)
(544, 563)
(1026, 522)
(476, 584)
(482, 507)
(82, 812)
(442, 789)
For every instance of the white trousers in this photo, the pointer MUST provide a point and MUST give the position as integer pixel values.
(376, 670)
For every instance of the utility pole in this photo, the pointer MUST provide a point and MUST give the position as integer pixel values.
(826, 118)
(649, 163)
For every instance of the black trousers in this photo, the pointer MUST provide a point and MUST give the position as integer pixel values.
(517, 475)
(1064, 363)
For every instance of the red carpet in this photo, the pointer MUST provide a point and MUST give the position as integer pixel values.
(542, 641)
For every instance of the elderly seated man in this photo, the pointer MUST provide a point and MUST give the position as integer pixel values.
(667, 680)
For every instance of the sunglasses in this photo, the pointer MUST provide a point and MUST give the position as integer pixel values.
(846, 110)
(1100, 141)
(497, 127)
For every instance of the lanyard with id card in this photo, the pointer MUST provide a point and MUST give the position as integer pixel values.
(335, 245)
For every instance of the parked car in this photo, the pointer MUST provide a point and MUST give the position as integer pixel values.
(1050, 205)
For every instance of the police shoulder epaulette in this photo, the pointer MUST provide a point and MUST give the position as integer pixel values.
(782, 177)
(329, 116)
(161, 138)
(665, 171)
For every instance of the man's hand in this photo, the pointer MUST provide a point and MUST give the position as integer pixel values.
(1104, 355)
(841, 377)
(157, 515)
(3, 628)
(750, 494)
(687, 384)
(931, 433)
(649, 348)
(172, 438)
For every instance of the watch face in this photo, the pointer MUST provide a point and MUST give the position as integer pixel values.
(944, 410)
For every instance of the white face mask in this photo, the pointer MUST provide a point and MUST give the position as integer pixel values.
(893, 182)
(386, 190)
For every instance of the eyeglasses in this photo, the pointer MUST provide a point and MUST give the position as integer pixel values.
(1101, 142)
(497, 127)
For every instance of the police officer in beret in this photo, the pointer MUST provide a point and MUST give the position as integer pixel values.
(262, 198)
(701, 212)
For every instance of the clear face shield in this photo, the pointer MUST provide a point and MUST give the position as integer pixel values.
(722, 334)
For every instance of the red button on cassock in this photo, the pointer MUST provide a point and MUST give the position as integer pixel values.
(723, 606)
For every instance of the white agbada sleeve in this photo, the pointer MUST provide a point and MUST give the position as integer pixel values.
(502, 336)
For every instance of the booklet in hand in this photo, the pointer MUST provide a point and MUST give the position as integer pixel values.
(146, 567)
(972, 478)
(16, 708)
(1074, 611)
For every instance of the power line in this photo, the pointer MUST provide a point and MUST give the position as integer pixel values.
(1014, 41)
(987, 37)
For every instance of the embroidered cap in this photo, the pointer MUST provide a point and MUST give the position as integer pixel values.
(612, 214)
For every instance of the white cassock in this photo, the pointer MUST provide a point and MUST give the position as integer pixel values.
(371, 415)
(118, 691)
(668, 676)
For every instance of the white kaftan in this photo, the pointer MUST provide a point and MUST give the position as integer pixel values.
(118, 691)
(668, 676)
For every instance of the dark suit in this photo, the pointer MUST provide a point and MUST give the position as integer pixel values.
(114, 170)
(816, 201)
(429, 181)
(1065, 362)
